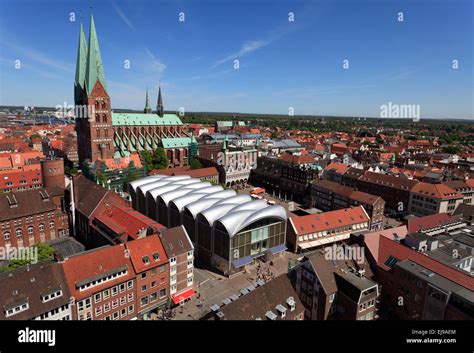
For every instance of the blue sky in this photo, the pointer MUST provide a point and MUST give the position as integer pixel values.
(283, 64)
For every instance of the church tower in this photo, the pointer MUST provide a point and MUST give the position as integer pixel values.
(159, 105)
(94, 133)
(147, 109)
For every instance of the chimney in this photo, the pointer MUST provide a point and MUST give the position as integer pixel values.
(291, 303)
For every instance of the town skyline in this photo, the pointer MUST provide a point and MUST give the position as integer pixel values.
(210, 83)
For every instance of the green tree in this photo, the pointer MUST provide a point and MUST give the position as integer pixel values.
(155, 160)
(196, 164)
(159, 160)
(130, 177)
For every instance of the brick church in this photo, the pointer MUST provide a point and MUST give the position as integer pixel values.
(107, 139)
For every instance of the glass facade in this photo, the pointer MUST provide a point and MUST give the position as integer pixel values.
(256, 239)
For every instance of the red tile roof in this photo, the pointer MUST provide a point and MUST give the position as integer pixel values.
(123, 162)
(146, 253)
(126, 222)
(97, 262)
(372, 239)
(193, 173)
(328, 220)
(423, 223)
(438, 191)
(388, 247)
(296, 159)
(337, 167)
(14, 176)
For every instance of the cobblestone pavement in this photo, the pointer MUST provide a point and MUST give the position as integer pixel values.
(213, 288)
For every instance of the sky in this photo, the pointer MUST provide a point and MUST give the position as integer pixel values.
(283, 66)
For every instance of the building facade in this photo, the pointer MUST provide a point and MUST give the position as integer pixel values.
(309, 232)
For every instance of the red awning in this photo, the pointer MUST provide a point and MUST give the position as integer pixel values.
(178, 298)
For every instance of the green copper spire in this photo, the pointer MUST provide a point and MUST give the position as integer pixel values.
(159, 104)
(224, 145)
(81, 63)
(95, 69)
(147, 109)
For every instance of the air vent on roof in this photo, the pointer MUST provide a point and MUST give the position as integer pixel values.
(291, 303)
(271, 315)
(220, 315)
(427, 273)
(12, 201)
(391, 261)
(44, 195)
(281, 310)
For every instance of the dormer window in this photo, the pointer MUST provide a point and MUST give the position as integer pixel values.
(146, 260)
(156, 256)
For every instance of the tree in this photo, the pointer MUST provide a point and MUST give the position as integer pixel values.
(160, 161)
(155, 160)
(196, 164)
(130, 177)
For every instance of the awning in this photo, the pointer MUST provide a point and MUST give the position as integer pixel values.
(242, 262)
(278, 249)
(178, 298)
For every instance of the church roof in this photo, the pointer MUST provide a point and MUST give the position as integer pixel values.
(176, 142)
(81, 59)
(142, 119)
(95, 68)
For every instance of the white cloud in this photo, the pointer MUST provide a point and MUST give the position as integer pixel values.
(38, 57)
(155, 64)
(122, 16)
(246, 48)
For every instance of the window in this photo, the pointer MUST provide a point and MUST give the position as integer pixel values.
(19, 232)
(97, 298)
(114, 291)
(106, 307)
(153, 284)
(122, 287)
(130, 297)
(115, 315)
(30, 230)
(162, 268)
(130, 309)
(123, 312)
(115, 304)
(153, 297)
(51, 225)
(6, 235)
(162, 292)
(144, 288)
(143, 275)
(144, 301)
(129, 284)
(41, 227)
(153, 272)
(123, 300)
(106, 294)
(98, 311)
